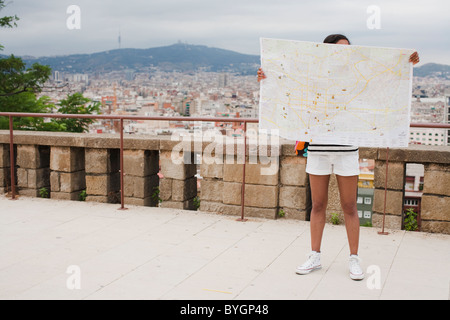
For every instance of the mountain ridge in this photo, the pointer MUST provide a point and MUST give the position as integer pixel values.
(178, 57)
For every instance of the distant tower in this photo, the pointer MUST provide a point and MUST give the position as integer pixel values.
(120, 40)
(56, 76)
(223, 80)
(115, 99)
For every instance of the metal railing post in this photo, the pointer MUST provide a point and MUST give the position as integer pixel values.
(385, 192)
(122, 197)
(243, 176)
(11, 159)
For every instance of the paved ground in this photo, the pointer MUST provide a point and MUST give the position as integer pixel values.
(48, 247)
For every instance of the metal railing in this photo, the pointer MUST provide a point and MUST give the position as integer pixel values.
(11, 115)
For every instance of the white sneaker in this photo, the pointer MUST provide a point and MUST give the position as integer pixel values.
(313, 263)
(356, 272)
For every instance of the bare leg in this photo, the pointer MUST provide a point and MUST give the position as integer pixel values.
(319, 197)
(348, 190)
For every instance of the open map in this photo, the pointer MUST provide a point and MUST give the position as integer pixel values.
(336, 94)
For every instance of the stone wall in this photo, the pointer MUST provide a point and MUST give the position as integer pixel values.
(102, 175)
(436, 198)
(178, 187)
(222, 189)
(66, 164)
(5, 169)
(435, 206)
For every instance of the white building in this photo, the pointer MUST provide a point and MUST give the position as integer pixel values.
(429, 137)
(425, 108)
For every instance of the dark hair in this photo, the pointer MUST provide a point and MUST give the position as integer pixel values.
(334, 38)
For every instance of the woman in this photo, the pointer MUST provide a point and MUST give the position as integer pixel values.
(343, 161)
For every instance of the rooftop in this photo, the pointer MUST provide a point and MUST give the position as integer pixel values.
(161, 253)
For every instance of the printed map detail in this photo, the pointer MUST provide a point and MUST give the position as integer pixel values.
(336, 94)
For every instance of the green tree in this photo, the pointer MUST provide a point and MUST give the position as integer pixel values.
(24, 102)
(19, 86)
(7, 22)
(74, 104)
(16, 78)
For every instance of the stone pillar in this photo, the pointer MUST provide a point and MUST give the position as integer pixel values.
(102, 175)
(67, 176)
(394, 195)
(211, 190)
(261, 190)
(5, 169)
(141, 178)
(435, 206)
(33, 172)
(293, 191)
(221, 189)
(178, 187)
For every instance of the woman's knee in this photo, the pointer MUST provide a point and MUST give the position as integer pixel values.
(349, 207)
(319, 206)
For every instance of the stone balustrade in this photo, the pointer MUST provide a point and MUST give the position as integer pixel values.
(162, 172)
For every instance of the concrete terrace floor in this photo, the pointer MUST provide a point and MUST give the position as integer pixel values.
(154, 253)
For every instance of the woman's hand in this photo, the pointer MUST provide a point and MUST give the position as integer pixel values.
(261, 75)
(414, 58)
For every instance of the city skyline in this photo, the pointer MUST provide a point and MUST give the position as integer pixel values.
(233, 25)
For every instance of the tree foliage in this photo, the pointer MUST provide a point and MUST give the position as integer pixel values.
(19, 86)
(16, 78)
(8, 21)
(24, 102)
(75, 104)
(27, 102)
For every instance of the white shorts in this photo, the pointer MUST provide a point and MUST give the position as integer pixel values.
(340, 164)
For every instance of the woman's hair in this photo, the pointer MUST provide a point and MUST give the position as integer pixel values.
(334, 38)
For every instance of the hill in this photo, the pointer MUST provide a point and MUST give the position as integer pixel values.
(177, 57)
(433, 70)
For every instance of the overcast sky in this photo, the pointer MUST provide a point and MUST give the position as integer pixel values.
(228, 24)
